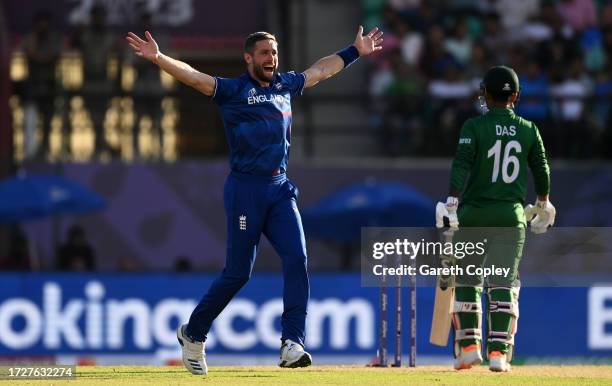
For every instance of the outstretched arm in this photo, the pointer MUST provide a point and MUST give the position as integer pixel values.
(180, 70)
(330, 65)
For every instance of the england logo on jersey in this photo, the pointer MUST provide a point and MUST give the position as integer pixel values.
(252, 92)
(255, 99)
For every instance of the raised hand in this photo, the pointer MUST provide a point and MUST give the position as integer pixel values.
(146, 49)
(366, 44)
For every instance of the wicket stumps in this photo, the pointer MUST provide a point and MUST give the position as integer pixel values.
(397, 331)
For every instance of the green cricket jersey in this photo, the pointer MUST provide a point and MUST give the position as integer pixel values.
(493, 154)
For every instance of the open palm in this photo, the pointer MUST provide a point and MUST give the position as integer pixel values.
(366, 44)
(146, 49)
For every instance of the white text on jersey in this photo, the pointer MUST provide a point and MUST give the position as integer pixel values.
(503, 130)
(266, 98)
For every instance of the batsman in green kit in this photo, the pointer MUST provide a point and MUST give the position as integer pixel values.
(490, 175)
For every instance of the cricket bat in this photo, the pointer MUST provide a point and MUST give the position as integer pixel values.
(443, 304)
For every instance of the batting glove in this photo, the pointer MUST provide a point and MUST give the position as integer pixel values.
(544, 213)
(448, 210)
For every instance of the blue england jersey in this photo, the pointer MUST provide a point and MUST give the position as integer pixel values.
(257, 120)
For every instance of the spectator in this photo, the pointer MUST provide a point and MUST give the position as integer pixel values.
(451, 104)
(534, 103)
(392, 40)
(569, 94)
(452, 85)
(372, 13)
(424, 17)
(480, 62)
(20, 256)
(591, 43)
(515, 13)
(535, 89)
(477, 7)
(602, 111)
(517, 57)
(411, 43)
(76, 254)
(183, 264)
(494, 38)
(539, 28)
(390, 19)
(561, 49)
(459, 44)
(555, 45)
(42, 49)
(97, 46)
(148, 91)
(606, 15)
(405, 9)
(607, 46)
(400, 115)
(435, 57)
(578, 14)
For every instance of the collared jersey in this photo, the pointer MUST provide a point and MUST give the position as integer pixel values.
(257, 120)
(493, 155)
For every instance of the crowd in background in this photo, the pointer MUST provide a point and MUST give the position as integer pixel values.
(75, 253)
(436, 53)
(424, 84)
(103, 55)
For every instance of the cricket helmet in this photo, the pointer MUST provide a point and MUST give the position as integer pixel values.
(500, 80)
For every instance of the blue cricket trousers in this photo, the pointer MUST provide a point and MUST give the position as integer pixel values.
(256, 205)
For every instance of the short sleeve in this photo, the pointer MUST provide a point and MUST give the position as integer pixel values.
(225, 88)
(294, 82)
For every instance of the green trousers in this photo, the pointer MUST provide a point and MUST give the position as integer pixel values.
(501, 227)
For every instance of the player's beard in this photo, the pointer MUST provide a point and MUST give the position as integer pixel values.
(260, 74)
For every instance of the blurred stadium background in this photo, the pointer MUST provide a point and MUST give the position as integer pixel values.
(110, 286)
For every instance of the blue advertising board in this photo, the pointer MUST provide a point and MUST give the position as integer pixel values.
(73, 314)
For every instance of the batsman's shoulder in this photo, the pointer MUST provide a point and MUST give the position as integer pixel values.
(473, 121)
(472, 125)
(526, 123)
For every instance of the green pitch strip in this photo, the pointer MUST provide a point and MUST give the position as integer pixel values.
(332, 375)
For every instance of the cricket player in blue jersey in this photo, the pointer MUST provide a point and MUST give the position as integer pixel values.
(258, 197)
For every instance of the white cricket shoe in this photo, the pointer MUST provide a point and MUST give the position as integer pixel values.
(498, 362)
(194, 357)
(292, 355)
(468, 356)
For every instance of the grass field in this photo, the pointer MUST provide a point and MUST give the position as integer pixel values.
(334, 375)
